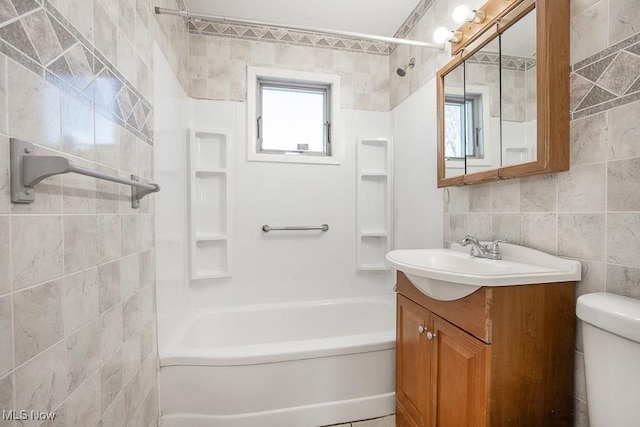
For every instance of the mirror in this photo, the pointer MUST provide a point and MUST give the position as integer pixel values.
(454, 123)
(482, 96)
(518, 92)
(511, 118)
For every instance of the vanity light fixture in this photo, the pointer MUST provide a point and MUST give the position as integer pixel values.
(442, 35)
(463, 13)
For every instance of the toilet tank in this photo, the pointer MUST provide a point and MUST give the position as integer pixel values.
(611, 340)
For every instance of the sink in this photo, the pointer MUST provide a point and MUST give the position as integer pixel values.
(450, 274)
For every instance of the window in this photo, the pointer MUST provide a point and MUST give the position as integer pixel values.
(292, 116)
(464, 134)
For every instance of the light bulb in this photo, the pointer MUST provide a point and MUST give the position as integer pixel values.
(462, 13)
(442, 35)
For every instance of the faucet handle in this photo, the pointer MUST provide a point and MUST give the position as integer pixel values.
(495, 248)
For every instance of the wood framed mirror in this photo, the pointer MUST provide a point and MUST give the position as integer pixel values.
(503, 99)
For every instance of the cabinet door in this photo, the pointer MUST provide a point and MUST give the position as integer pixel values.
(459, 377)
(412, 365)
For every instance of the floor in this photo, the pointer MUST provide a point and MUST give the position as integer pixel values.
(389, 421)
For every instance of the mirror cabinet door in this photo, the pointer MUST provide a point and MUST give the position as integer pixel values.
(519, 104)
(455, 130)
(482, 101)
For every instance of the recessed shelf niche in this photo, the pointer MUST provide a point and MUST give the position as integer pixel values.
(374, 199)
(209, 204)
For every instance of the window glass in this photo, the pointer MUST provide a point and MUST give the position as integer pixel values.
(293, 118)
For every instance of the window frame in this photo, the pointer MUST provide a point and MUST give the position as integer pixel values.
(290, 78)
(295, 86)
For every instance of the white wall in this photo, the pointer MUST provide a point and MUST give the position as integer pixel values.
(286, 266)
(171, 115)
(418, 201)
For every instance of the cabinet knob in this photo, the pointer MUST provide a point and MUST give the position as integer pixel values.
(430, 335)
(421, 329)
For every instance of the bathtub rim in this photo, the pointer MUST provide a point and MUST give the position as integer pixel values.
(174, 353)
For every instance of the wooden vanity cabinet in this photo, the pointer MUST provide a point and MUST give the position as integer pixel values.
(502, 356)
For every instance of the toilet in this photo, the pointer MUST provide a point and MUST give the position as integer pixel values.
(611, 337)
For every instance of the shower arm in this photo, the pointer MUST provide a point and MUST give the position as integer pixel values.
(394, 40)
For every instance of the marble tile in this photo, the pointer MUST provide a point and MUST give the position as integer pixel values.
(107, 193)
(581, 417)
(83, 354)
(105, 32)
(134, 312)
(6, 397)
(623, 238)
(458, 200)
(624, 20)
(84, 405)
(129, 275)
(150, 410)
(126, 18)
(480, 198)
(580, 386)
(147, 269)
(5, 183)
(539, 193)
(7, 11)
(38, 320)
(506, 196)
(480, 226)
(593, 278)
(111, 338)
(6, 336)
(588, 32)
(114, 415)
(43, 382)
(145, 232)
(621, 74)
(589, 139)
(131, 357)
(148, 339)
(127, 148)
(623, 180)
(80, 299)
(34, 110)
(623, 280)
(79, 191)
(539, 231)
(579, 87)
(581, 235)
(582, 189)
(79, 13)
(5, 255)
(108, 237)
(109, 287)
(459, 226)
(111, 379)
(80, 242)
(623, 131)
(129, 234)
(77, 128)
(33, 263)
(506, 226)
(106, 141)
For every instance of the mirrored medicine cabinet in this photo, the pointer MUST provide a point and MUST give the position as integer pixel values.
(503, 99)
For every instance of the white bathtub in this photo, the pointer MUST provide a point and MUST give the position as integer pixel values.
(285, 365)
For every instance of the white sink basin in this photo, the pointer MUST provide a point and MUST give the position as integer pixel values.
(449, 274)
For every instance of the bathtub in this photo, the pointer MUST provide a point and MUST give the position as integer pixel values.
(282, 365)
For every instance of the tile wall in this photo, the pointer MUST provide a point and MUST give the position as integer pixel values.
(77, 267)
(218, 68)
(592, 212)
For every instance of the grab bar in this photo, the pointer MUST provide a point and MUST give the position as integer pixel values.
(267, 228)
(27, 170)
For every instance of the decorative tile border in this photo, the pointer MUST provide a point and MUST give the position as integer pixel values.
(38, 37)
(508, 62)
(409, 24)
(214, 27)
(606, 80)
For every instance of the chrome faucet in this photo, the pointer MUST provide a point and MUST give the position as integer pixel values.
(492, 251)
